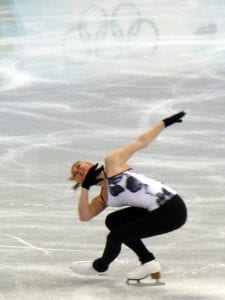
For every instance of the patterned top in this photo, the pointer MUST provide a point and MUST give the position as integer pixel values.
(132, 189)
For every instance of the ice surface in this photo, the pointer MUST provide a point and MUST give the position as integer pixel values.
(78, 80)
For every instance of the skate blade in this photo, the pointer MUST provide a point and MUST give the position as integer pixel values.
(140, 283)
(155, 276)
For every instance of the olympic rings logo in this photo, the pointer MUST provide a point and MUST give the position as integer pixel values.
(122, 34)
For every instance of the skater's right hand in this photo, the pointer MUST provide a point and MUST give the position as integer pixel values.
(91, 177)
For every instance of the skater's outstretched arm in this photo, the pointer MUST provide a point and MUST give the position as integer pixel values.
(116, 161)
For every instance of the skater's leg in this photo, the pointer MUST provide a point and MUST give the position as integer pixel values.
(175, 215)
(116, 222)
(124, 216)
(123, 234)
(168, 217)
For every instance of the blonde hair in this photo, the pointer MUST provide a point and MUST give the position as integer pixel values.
(77, 184)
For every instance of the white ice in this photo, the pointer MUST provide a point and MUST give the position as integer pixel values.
(78, 80)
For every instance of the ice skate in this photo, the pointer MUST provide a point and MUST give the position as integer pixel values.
(84, 268)
(151, 268)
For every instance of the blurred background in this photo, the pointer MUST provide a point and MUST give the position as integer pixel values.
(78, 80)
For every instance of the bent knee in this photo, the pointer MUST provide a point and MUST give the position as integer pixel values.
(114, 237)
(110, 221)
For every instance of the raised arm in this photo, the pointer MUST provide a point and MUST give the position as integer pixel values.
(116, 161)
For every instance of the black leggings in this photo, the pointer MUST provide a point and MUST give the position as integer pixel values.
(130, 225)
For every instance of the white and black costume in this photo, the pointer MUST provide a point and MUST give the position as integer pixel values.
(133, 189)
(154, 209)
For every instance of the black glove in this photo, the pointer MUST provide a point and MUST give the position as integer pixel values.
(91, 177)
(177, 118)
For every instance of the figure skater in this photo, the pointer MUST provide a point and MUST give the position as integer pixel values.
(153, 208)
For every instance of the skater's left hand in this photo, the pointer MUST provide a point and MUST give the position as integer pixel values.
(177, 118)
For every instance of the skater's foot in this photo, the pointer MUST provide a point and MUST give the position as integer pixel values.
(151, 268)
(84, 268)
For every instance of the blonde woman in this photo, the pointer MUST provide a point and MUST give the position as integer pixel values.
(152, 208)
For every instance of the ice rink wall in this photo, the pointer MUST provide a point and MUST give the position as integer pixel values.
(78, 40)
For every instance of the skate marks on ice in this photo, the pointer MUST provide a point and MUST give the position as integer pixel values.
(23, 242)
(25, 245)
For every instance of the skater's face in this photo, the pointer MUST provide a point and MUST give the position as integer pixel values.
(79, 170)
